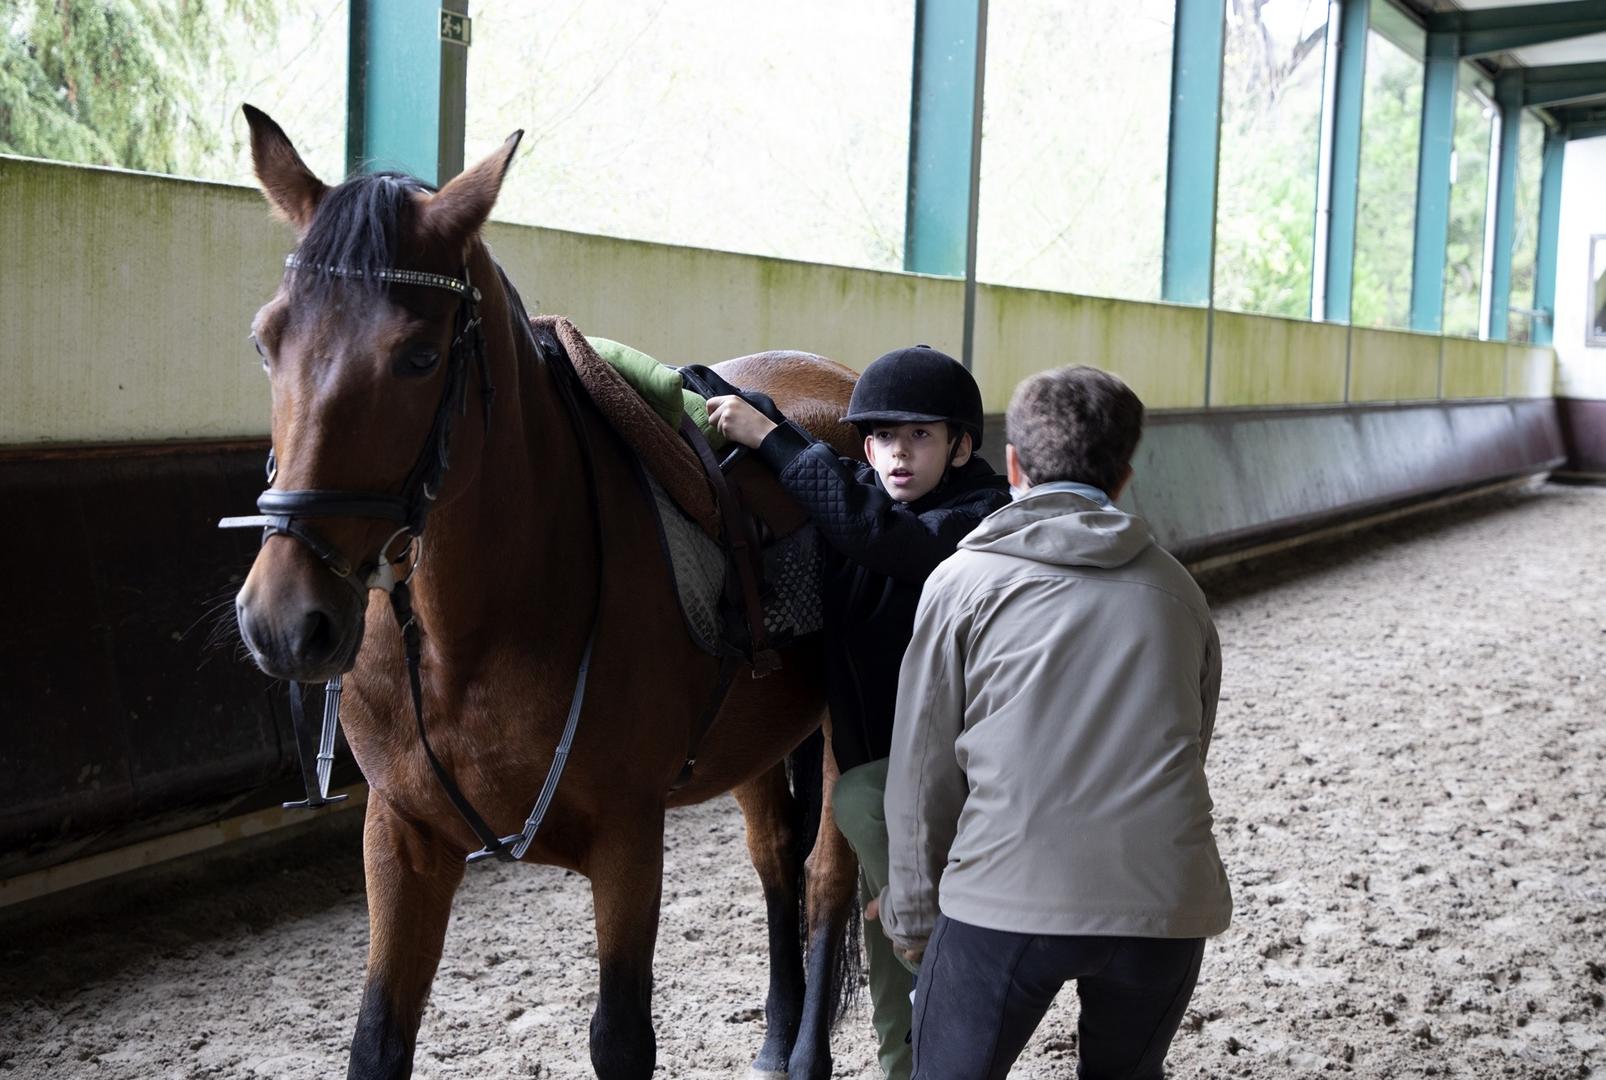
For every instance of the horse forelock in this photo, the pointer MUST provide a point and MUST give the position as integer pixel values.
(358, 229)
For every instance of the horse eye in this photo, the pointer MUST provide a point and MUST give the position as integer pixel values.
(417, 361)
(257, 345)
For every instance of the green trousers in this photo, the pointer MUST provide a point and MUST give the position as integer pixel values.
(856, 804)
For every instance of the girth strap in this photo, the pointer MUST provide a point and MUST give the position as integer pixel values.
(742, 542)
(728, 665)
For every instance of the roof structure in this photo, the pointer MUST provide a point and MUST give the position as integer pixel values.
(1549, 54)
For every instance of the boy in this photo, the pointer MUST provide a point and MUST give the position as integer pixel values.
(1047, 784)
(887, 525)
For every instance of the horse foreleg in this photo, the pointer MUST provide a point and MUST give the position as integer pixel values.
(772, 814)
(832, 879)
(626, 868)
(411, 881)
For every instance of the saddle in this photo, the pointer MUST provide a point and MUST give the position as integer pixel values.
(745, 561)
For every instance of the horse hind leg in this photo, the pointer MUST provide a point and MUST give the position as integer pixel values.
(411, 881)
(774, 818)
(626, 866)
(833, 874)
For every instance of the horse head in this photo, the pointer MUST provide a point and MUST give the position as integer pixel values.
(371, 344)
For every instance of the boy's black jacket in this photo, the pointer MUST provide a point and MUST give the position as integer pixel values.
(879, 553)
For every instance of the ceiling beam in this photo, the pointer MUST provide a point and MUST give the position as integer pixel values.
(1581, 121)
(1495, 30)
(1559, 84)
(1579, 114)
(1586, 131)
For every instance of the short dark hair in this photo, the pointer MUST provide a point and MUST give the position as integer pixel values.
(1074, 423)
(955, 429)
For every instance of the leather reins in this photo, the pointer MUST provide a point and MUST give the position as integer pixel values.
(282, 514)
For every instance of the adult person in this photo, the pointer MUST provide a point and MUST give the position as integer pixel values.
(1046, 798)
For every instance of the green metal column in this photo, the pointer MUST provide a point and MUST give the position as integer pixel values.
(945, 136)
(1508, 95)
(1433, 184)
(1549, 228)
(1345, 160)
(408, 71)
(1190, 183)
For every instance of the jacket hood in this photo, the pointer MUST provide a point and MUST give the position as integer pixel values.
(1063, 529)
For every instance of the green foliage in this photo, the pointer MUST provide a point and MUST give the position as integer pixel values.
(1525, 226)
(1266, 198)
(1391, 129)
(117, 82)
(1469, 194)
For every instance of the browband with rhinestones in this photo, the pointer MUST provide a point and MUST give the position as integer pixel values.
(401, 277)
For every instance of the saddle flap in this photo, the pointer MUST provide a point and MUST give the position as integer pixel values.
(764, 497)
(662, 451)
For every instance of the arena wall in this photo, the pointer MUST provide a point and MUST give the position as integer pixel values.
(136, 414)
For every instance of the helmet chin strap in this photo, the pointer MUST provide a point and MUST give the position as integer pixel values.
(953, 452)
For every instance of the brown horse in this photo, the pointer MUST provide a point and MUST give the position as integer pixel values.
(359, 345)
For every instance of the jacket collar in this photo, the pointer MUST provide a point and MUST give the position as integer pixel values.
(1087, 491)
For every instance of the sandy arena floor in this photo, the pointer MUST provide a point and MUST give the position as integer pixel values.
(1410, 778)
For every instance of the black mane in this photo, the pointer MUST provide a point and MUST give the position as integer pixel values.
(354, 232)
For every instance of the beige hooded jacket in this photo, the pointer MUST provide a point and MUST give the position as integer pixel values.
(1054, 711)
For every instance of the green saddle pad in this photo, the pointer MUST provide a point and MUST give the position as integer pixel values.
(659, 385)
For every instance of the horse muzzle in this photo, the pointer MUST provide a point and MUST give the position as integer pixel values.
(299, 621)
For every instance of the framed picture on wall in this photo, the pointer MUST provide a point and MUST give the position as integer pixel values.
(1596, 333)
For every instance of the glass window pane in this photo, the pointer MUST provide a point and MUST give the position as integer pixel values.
(1469, 199)
(1525, 226)
(108, 84)
(1385, 225)
(1270, 125)
(765, 128)
(1073, 156)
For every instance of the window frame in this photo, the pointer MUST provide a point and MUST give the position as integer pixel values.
(1595, 334)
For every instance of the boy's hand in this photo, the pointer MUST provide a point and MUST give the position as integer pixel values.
(912, 956)
(872, 911)
(738, 421)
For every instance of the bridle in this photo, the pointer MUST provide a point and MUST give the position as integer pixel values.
(283, 513)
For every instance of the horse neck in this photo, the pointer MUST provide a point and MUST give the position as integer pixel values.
(517, 540)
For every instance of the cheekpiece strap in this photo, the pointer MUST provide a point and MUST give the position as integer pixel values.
(400, 277)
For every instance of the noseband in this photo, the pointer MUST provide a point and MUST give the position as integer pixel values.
(283, 513)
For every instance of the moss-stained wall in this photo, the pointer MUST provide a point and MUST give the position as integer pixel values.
(1386, 365)
(689, 305)
(1530, 371)
(1265, 361)
(1474, 369)
(1159, 349)
(125, 301)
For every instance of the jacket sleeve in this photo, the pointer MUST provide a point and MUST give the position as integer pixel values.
(926, 788)
(1209, 690)
(860, 519)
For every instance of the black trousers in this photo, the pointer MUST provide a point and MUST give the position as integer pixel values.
(982, 993)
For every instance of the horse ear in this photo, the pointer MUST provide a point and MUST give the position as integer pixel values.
(291, 188)
(458, 210)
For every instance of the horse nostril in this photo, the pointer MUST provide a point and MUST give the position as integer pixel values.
(317, 640)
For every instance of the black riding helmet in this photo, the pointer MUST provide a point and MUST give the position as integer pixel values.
(916, 384)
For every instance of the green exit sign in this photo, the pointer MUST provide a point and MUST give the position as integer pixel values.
(456, 28)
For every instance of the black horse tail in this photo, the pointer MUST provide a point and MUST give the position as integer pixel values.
(805, 767)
